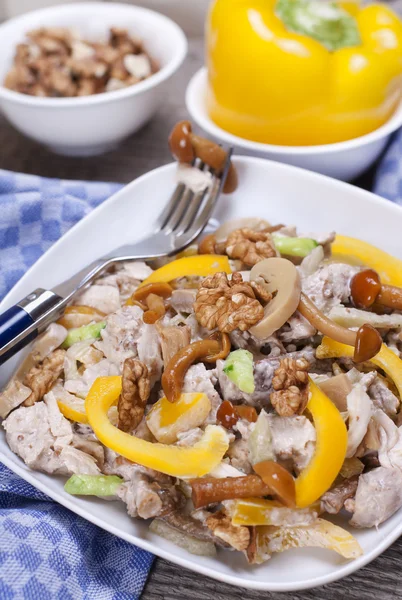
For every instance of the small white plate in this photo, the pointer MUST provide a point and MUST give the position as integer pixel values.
(270, 190)
(344, 160)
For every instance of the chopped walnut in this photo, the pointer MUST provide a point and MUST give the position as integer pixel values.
(134, 394)
(237, 536)
(250, 246)
(56, 63)
(41, 378)
(290, 384)
(227, 305)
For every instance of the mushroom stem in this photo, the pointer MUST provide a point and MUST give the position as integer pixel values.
(323, 324)
(390, 296)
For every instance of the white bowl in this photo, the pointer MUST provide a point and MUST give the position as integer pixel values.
(281, 194)
(343, 160)
(92, 124)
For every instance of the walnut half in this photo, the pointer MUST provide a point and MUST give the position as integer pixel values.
(42, 377)
(227, 305)
(135, 392)
(290, 384)
(250, 246)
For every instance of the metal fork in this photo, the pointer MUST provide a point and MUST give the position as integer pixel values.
(180, 223)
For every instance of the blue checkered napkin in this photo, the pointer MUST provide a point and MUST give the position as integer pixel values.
(46, 551)
(388, 182)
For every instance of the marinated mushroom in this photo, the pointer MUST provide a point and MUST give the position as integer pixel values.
(180, 142)
(186, 146)
(366, 340)
(279, 480)
(366, 289)
(280, 277)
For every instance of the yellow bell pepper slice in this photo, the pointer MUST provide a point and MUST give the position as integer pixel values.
(350, 90)
(190, 463)
(167, 419)
(190, 266)
(330, 452)
(387, 266)
(74, 410)
(320, 534)
(256, 511)
(387, 360)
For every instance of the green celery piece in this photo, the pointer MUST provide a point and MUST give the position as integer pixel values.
(93, 485)
(86, 332)
(325, 22)
(239, 368)
(293, 246)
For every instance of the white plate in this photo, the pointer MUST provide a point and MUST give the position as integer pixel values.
(343, 160)
(278, 193)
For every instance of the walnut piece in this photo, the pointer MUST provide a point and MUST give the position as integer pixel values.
(56, 63)
(290, 383)
(41, 378)
(250, 246)
(237, 536)
(227, 305)
(135, 392)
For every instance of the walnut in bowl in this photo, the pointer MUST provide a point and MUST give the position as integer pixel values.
(63, 107)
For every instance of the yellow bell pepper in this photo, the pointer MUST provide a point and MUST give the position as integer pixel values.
(295, 72)
(167, 419)
(388, 267)
(75, 411)
(330, 452)
(191, 463)
(190, 266)
(256, 511)
(320, 534)
(387, 360)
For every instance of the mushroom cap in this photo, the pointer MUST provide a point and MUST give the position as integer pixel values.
(281, 278)
(180, 142)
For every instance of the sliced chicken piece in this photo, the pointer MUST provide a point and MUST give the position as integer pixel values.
(390, 438)
(260, 349)
(378, 497)
(360, 409)
(105, 298)
(150, 352)
(182, 301)
(51, 339)
(293, 438)
(200, 379)
(81, 385)
(121, 335)
(329, 286)
(295, 329)
(333, 501)
(14, 395)
(42, 439)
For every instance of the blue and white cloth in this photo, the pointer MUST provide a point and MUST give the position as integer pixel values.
(46, 551)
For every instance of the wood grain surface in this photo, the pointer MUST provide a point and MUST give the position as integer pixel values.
(381, 580)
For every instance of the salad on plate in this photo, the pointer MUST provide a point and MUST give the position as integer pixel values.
(237, 396)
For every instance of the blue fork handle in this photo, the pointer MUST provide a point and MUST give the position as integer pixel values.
(21, 323)
(12, 323)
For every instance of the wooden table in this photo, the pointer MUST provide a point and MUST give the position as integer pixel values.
(381, 580)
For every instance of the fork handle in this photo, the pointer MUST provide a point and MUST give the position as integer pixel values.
(21, 323)
(12, 325)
